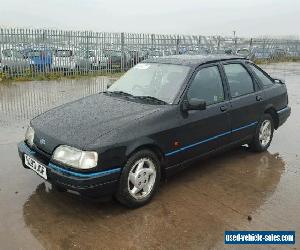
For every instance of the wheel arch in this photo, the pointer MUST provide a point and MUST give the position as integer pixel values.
(270, 109)
(149, 145)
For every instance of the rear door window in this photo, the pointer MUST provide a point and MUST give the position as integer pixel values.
(239, 80)
(266, 81)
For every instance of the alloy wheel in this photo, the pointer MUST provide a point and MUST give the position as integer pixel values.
(265, 133)
(141, 178)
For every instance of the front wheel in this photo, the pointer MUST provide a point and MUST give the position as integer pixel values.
(264, 134)
(139, 179)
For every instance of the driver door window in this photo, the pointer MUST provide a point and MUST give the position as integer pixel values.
(207, 85)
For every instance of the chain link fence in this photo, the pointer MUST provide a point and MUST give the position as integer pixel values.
(35, 52)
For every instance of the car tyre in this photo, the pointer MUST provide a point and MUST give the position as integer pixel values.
(139, 180)
(264, 134)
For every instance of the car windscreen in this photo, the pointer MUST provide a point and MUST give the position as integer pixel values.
(161, 81)
(63, 53)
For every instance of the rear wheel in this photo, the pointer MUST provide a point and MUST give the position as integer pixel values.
(139, 179)
(264, 134)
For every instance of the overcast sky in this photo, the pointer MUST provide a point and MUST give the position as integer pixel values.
(200, 17)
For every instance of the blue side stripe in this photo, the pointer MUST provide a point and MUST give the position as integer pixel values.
(282, 110)
(246, 126)
(84, 175)
(26, 149)
(209, 139)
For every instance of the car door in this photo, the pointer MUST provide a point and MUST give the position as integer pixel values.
(202, 131)
(21, 62)
(247, 99)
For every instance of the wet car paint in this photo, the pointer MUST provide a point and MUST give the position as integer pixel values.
(238, 190)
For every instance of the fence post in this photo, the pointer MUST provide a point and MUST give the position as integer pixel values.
(122, 51)
(235, 43)
(177, 44)
(152, 41)
(199, 42)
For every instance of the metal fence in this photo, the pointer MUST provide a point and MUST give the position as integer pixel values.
(34, 52)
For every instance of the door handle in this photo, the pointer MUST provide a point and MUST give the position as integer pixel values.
(258, 98)
(223, 108)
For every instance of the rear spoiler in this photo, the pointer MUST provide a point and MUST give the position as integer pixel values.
(278, 80)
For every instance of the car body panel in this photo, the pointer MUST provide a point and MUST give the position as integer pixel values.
(40, 58)
(63, 59)
(13, 60)
(83, 121)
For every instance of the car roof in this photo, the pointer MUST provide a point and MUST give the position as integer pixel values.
(192, 60)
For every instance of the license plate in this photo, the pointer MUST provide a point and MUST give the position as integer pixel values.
(37, 167)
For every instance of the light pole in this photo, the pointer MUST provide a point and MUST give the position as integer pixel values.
(234, 38)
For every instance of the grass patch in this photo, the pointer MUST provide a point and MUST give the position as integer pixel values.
(47, 76)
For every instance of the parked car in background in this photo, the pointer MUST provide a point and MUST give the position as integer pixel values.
(138, 55)
(153, 121)
(63, 60)
(191, 52)
(90, 60)
(243, 52)
(279, 53)
(223, 51)
(40, 58)
(118, 59)
(228, 51)
(261, 53)
(293, 52)
(98, 59)
(159, 53)
(13, 61)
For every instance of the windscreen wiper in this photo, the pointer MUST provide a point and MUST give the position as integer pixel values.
(151, 98)
(119, 93)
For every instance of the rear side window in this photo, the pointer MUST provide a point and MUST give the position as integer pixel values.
(239, 80)
(207, 85)
(266, 81)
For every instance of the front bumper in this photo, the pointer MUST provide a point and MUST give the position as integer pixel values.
(86, 183)
(283, 115)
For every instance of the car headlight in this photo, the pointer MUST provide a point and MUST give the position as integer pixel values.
(75, 158)
(29, 136)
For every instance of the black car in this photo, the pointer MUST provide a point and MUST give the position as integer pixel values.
(153, 121)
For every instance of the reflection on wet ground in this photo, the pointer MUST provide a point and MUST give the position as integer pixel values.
(192, 209)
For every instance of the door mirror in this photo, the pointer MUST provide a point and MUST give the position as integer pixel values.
(194, 104)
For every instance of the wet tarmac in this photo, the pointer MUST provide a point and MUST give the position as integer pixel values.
(237, 190)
